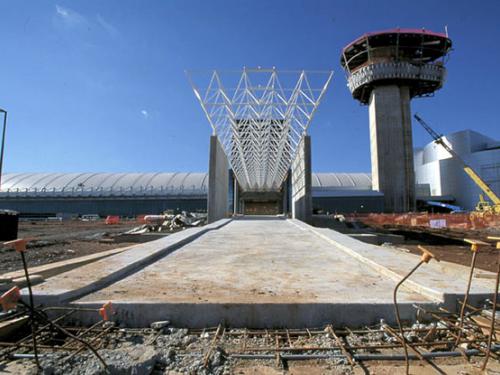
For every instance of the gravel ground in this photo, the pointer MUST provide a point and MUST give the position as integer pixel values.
(170, 351)
(178, 351)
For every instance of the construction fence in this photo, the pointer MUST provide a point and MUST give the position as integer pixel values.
(459, 221)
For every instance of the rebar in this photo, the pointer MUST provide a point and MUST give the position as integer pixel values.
(292, 344)
(493, 316)
(398, 317)
(65, 332)
(32, 310)
(466, 297)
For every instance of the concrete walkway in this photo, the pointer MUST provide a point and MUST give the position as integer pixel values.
(267, 272)
(89, 278)
(260, 272)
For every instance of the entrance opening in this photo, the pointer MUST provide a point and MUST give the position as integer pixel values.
(262, 208)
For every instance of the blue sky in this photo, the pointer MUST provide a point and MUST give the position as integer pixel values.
(100, 85)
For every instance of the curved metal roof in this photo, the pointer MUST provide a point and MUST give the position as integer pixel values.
(342, 181)
(145, 184)
(105, 184)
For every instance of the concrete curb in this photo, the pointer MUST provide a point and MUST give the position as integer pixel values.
(52, 269)
(348, 245)
(251, 315)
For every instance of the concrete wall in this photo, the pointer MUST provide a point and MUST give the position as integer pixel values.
(218, 182)
(349, 204)
(391, 147)
(301, 197)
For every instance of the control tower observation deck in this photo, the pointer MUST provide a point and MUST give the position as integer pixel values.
(385, 70)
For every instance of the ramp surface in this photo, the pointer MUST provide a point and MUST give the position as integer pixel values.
(269, 272)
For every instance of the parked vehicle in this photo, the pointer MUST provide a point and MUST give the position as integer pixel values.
(90, 217)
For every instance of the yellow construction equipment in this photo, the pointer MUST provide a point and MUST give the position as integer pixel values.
(484, 208)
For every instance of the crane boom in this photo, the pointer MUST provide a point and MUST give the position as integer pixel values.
(467, 169)
(482, 185)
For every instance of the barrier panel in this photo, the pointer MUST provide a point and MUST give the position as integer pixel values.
(462, 221)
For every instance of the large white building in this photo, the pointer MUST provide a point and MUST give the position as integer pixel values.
(438, 175)
(140, 193)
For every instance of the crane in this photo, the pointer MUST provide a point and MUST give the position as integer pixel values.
(483, 206)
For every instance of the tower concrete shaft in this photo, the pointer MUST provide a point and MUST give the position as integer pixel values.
(391, 147)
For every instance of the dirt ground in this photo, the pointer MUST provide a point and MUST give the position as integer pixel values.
(446, 366)
(176, 351)
(72, 228)
(56, 241)
(487, 258)
(449, 246)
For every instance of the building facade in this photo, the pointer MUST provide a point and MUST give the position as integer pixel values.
(439, 175)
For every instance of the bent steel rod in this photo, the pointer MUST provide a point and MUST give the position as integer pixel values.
(65, 332)
(358, 357)
(398, 317)
(493, 316)
(466, 297)
(425, 258)
(32, 310)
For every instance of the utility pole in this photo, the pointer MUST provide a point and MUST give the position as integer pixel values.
(3, 142)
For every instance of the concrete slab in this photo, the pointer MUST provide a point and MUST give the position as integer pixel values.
(260, 272)
(97, 275)
(256, 273)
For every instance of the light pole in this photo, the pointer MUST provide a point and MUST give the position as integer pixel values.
(3, 142)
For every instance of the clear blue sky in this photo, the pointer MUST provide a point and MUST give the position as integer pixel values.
(100, 85)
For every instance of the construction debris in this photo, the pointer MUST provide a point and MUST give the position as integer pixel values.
(169, 222)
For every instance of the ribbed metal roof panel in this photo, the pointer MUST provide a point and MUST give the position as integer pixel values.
(104, 184)
(149, 184)
(342, 181)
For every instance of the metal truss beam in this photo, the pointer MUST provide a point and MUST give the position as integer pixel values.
(260, 117)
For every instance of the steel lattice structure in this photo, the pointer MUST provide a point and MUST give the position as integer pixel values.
(260, 117)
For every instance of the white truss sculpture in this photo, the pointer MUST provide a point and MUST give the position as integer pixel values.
(260, 117)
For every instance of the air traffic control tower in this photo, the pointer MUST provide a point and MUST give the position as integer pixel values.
(385, 70)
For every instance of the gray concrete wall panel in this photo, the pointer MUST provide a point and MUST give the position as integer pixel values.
(218, 182)
(301, 196)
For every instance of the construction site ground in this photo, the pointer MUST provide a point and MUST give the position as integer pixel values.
(53, 241)
(56, 241)
(446, 244)
(222, 352)
(174, 350)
